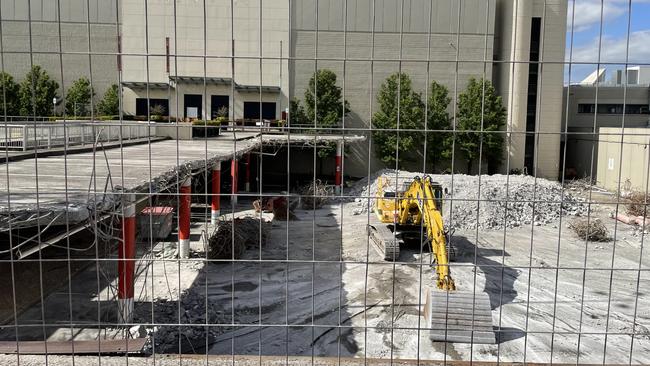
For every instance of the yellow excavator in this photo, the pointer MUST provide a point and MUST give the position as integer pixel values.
(407, 214)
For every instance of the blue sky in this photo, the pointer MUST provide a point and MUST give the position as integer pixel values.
(615, 15)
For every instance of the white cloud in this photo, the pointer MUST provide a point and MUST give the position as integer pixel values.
(614, 50)
(588, 13)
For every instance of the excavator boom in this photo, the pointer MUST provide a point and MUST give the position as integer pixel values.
(451, 316)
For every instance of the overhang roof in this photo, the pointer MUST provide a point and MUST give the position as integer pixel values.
(144, 84)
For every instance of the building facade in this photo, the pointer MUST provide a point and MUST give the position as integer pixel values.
(193, 58)
(607, 101)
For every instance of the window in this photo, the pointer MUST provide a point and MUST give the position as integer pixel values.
(141, 106)
(252, 110)
(614, 108)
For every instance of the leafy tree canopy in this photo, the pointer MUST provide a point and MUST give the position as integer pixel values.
(481, 109)
(36, 93)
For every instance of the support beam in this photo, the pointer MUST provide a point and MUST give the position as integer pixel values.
(184, 218)
(234, 174)
(216, 193)
(338, 180)
(126, 262)
(248, 173)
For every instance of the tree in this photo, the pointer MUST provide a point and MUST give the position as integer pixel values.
(297, 114)
(397, 87)
(324, 104)
(110, 104)
(474, 107)
(323, 100)
(8, 95)
(78, 98)
(36, 93)
(438, 143)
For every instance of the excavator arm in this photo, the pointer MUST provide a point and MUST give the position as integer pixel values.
(420, 194)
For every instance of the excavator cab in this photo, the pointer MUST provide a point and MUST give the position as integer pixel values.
(451, 316)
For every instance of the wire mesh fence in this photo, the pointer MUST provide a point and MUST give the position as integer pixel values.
(324, 181)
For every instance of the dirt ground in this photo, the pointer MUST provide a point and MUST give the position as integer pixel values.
(320, 289)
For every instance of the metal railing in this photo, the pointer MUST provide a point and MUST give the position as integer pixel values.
(30, 135)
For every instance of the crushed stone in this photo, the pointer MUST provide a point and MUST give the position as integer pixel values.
(502, 202)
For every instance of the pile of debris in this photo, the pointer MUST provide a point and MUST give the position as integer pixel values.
(499, 201)
(184, 339)
(315, 195)
(591, 230)
(231, 238)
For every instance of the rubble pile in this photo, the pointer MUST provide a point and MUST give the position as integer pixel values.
(314, 195)
(231, 238)
(500, 201)
(174, 339)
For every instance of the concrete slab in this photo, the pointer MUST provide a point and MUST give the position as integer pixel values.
(56, 189)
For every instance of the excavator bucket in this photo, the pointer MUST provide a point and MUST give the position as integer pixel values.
(461, 317)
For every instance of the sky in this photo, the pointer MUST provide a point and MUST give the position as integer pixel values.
(583, 43)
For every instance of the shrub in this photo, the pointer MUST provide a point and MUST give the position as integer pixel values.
(638, 204)
(591, 230)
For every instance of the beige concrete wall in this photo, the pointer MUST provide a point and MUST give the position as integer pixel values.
(201, 46)
(580, 142)
(623, 158)
(362, 78)
(512, 50)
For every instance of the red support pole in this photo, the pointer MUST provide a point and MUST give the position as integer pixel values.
(126, 262)
(216, 192)
(234, 174)
(248, 172)
(184, 218)
(338, 180)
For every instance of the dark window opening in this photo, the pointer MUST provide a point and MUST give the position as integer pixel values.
(194, 101)
(155, 106)
(613, 108)
(531, 115)
(252, 110)
(217, 103)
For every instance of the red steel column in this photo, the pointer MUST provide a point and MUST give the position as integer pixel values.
(339, 163)
(184, 219)
(126, 262)
(234, 174)
(216, 192)
(248, 172)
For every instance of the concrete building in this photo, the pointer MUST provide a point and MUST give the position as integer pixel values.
(594, 105)
(195, 57)
(60, 33)
(460, 39)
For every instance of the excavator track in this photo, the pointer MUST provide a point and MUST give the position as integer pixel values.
(384, 241)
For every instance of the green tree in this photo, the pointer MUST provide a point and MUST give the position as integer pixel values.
(78, 98)
(438, 143)
(36, 93)
(475, 107)
(324, 104)
(396, 94)
(323, 100)
(297, 114)
(110, 104)
(8, 95)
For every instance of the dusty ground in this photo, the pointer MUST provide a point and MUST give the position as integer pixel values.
(321, 290)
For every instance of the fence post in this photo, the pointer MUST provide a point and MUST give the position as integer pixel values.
(25, 137)
(49, 137)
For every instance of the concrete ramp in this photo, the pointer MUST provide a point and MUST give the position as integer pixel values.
(460, 317)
